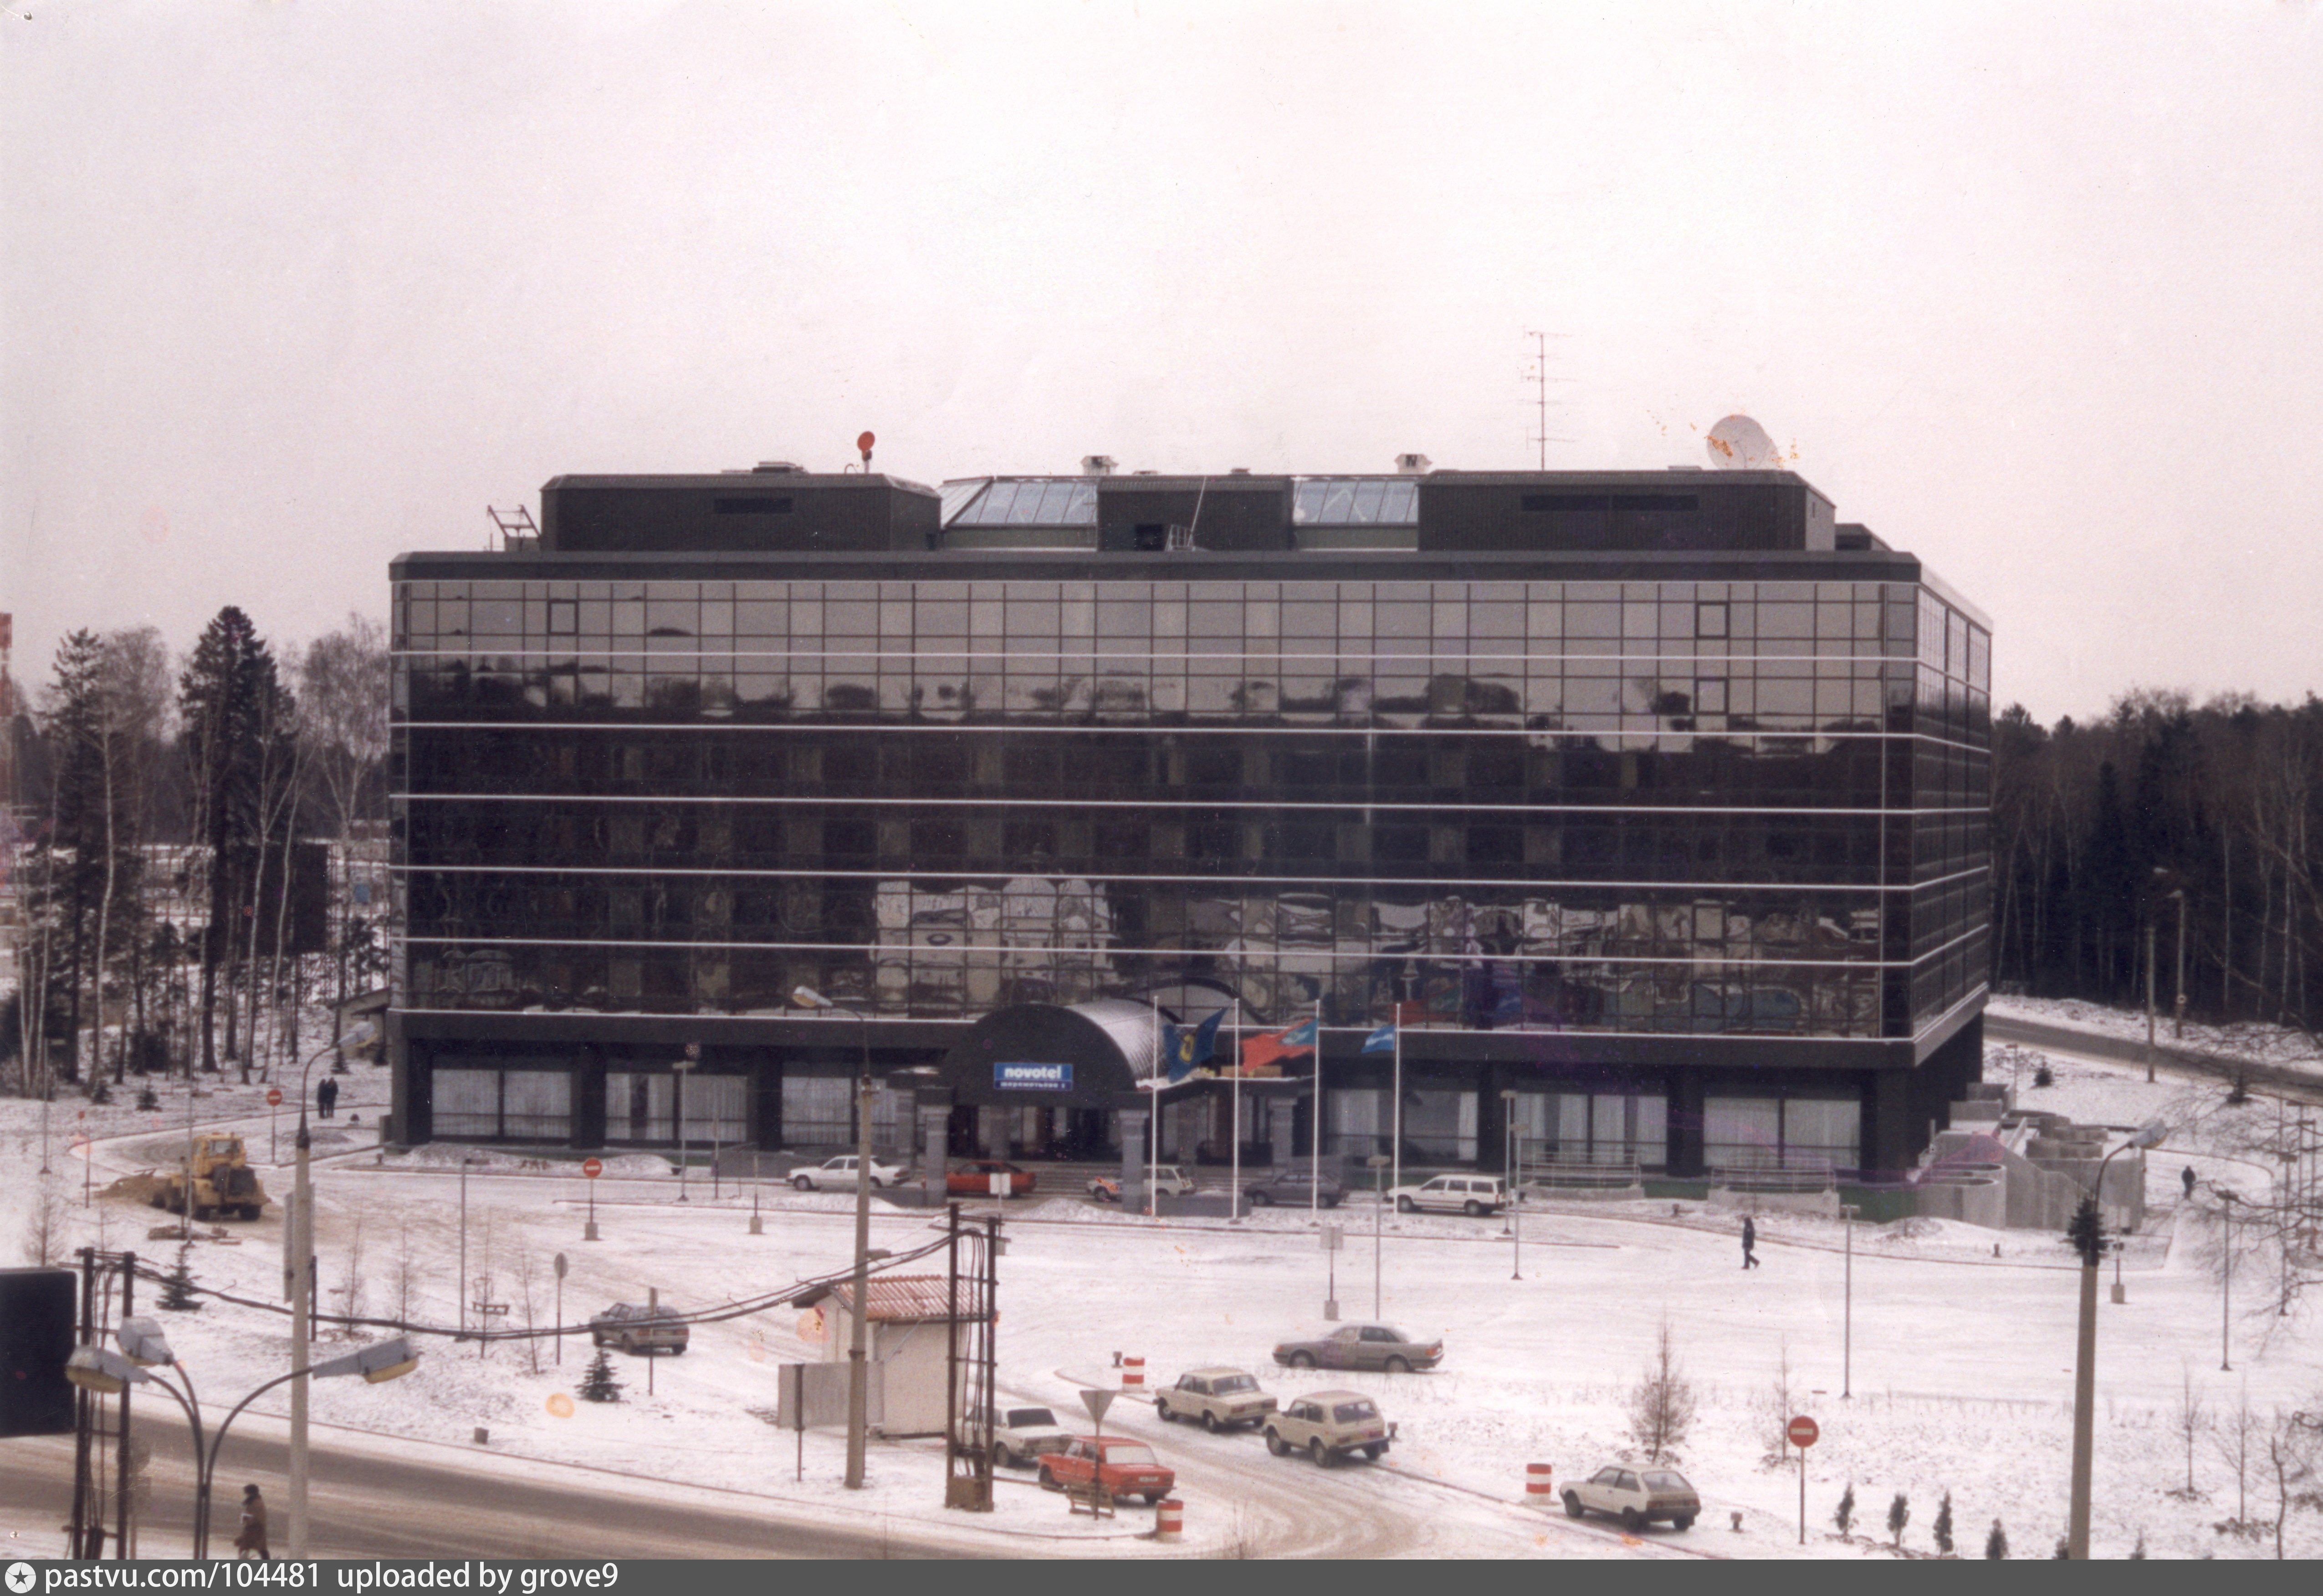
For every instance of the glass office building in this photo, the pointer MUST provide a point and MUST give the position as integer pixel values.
(1664, 811)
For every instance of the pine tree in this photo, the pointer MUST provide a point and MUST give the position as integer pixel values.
(1899, 1514)
(2087, 1234)
(1996, 1545)
(598, 1384)
(2137, 1552)
(1943, 1528)
(178, 1291)
(1845, 1516)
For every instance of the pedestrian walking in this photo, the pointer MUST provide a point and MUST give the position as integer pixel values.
(249, 1541)
(1750, 1240)
(326, 1097)
(2187, 1179)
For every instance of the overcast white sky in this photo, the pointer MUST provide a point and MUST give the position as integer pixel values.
(2033, 291)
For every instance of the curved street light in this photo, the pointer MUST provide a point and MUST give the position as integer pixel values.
(2088, 1236)
(107, 1373)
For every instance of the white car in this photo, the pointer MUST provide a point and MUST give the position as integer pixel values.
(1636, 1497)
(839, 1174)
(1474, 1195)
(1165, 1180)
(1025, 1434)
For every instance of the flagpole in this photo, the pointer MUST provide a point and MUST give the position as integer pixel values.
(1153, 1113)
(1234, 1203)
(1397, 1131)
(1315, 1130)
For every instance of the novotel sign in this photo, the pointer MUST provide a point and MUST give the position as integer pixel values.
(1033, 1078)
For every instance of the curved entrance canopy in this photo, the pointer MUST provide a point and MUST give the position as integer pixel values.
(1046, 1055)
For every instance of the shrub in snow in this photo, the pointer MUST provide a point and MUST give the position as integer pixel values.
(1899, 1514)
(2042, 1075)
(599, 1385)
(1662, 1403)
(2137, 1552)
(1944, 1530)
(148, 1099)
(2064, 1552)
(1845, 1516)
(1996, 1545)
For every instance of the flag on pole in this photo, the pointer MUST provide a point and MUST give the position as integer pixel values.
(1268, 1046)
(1184, 1049)
(1382, 1040)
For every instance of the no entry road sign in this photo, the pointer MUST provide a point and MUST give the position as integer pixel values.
(1805, 1432)
(274, 1096)
(593, 1167)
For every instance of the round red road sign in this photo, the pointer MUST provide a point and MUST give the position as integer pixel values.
(593, 1167)
(274, 1096)
(1803, 1431)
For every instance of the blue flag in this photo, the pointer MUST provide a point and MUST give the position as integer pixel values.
(1182, 1050)
(1382, 1040)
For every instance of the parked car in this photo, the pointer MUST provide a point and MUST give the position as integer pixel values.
(1327, 1426)
(1024, 1435)
(974, 1179)
(838, 1174)
(635, 1327)
(1215, 1399)
(1473, 1195)
(1125, 1467)
(1168, 1179)
(1361, 1346)
(1291, 1188)
(1636, 1496)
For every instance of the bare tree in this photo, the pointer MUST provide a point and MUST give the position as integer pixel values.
(2193, 1423)
(527, 1269)
(405, 1277)
(1778, 1405)
(2232, 1436)
(1662, 1402)
(2291, 1446)
(343, 684)
(351, 1290)
(44, 1222)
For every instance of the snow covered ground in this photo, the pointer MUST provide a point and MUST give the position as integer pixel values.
(1961, 1344)
(2278, 1045)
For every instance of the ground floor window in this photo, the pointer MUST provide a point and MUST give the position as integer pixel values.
(1356, 1122)
(639, 1106)
(1440, 1124)
(717, 1108)
(1782, 1131)
(818, 1110)
(1594, 1127)
(504, 1105)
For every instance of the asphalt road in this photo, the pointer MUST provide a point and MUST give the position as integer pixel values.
(2185, 1062)
(366, 1506)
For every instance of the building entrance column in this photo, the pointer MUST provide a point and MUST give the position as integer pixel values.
(1282, 1117)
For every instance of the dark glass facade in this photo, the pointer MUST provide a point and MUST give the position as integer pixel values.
(1735, 806)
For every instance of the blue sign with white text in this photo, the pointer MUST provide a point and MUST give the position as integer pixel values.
(1033, 1078)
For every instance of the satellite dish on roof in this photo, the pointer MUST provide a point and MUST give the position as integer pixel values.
(1740, 444)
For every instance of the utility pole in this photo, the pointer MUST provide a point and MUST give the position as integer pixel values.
(302, 1262)
(858, 1388)
(2149, 997)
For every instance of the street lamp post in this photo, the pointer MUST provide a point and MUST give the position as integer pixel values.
(2178, 1008)
(1516, 1193)
(858, 1386)
(1379, 1163)
(1847, 1212)
(2088, 1236)
(302, 1287)
(2226, 1200)
(107, 1372)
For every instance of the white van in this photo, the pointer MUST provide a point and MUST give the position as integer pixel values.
(1474, 1195)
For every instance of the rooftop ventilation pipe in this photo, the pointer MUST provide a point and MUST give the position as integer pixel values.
(1412, 465)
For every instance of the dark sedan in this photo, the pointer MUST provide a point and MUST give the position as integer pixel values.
(1289, 1188)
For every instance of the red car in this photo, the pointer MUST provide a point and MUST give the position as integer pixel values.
(1126, 1467)
(974, 1179)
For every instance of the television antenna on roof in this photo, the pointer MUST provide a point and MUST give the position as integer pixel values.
(1539, 377)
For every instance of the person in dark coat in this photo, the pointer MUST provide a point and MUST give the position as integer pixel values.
(1750, 1240)
(2186, 1177)
(249, 1541)
(326, 1097)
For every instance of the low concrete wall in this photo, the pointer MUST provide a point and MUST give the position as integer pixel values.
(1728, 1200)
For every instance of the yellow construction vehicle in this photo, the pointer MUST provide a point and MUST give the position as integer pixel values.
(224, 1183)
